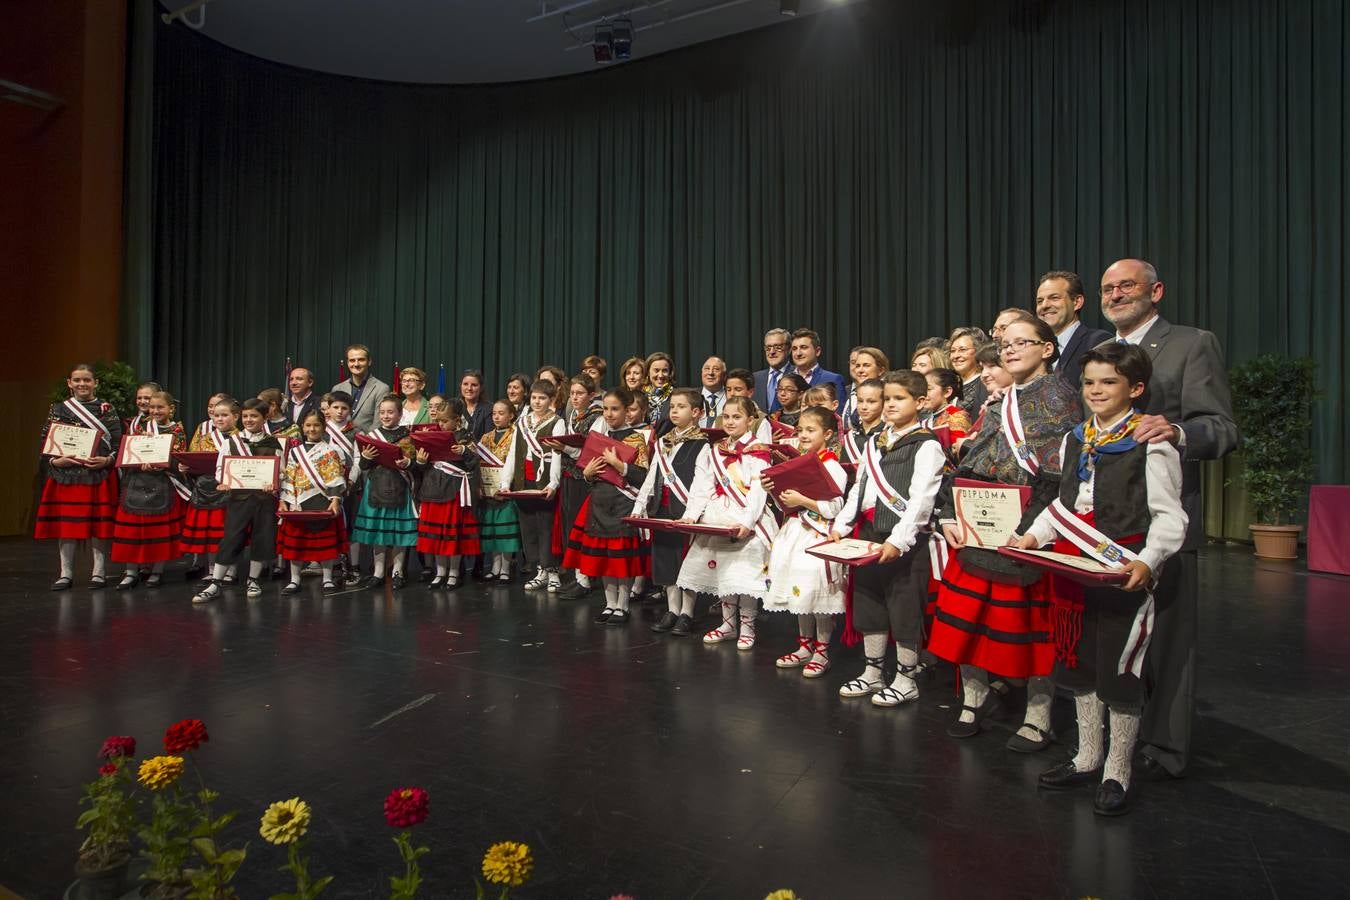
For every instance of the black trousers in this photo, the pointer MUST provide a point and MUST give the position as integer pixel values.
(891, 597)
(536, 532)
(1170, 670)
(1108, 636)
(250, 519)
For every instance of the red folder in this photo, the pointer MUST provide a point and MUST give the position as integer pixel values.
(595, 446)
(944, 436)
(806, 475)
(306, 515)
(439, 444)
(676, 525)
(835, 552)
(1091, 577)
(198, 462)
(521, 495)
(565, 440)
(782, 429)
(389, 454)
(714, 434)
(784, 451)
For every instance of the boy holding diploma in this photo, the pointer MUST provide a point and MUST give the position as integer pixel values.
(1119, 503)
(890, 593)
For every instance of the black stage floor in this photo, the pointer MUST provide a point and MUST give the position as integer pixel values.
(657, 766)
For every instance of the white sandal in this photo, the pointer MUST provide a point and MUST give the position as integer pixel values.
(819, 663)
(717, 635)
(792, 660)
(861, 687)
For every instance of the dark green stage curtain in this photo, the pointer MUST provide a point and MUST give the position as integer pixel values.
(883, 173)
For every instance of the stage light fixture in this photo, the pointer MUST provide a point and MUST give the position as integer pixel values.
(622, 41)
(788, 7)
(602, 43)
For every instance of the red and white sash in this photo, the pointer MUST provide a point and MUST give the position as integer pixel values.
(306, 463)
(1011, 421)
(669, 477)
(1096, 545)
(486, 456)
(851, 448)
(887, 495)
(732, 488)
(237, 443)
(89, 419)
(465, 489)
(345, 446)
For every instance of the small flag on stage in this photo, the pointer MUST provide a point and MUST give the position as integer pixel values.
(342, 371)
(440, 381)
(398, 382)
(286, 379)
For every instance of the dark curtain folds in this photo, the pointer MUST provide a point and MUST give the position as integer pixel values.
(882, 173)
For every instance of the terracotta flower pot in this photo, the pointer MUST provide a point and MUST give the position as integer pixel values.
(1276, 541)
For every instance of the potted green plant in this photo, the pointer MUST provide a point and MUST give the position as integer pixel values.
(108, 821)
(1272, 402)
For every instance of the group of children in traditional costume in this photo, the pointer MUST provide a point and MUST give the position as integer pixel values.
(891, 457)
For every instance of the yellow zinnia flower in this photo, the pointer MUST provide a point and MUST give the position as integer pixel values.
(783, 894)
(158, 772)
(285, 822)
(507, 863)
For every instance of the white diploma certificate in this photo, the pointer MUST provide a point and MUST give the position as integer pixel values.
(70, 440)
(250, 473)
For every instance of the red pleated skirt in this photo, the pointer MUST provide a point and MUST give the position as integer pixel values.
(1002, 628)
(447, 529)
(306, 542)
(203, 530)
(154, 538)
(77, 512)
(604, 557)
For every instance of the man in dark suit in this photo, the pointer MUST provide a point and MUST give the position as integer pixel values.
(714, 390)
(1189, 405)
(806, 360)
(777, 363)
(365, 389)
(301, 398)
(1059, 297)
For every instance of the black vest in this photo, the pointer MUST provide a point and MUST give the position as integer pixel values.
(897, 464)
(522, 449)
(1119, 491)
(683, 461)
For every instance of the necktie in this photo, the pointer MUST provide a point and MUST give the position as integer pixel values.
(1121, 340)
(774, 376)
(709, 409)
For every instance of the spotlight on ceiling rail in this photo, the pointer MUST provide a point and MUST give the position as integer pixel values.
(602, 43)
(622, 41)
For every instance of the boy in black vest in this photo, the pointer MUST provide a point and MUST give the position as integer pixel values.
(1119, 503)
(892, 502)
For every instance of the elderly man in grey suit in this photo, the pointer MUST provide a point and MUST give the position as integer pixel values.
(1190, 406)
(367, 391)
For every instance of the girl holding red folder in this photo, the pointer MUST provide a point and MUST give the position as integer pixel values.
(1119, 503)
(447, 526)
(727, 491)
(204, 524)
(150, 514)
(313, 479)
(600, 544)
(386, 519)
(79, 497)
(807, 586)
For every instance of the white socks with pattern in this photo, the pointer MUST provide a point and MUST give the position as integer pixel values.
(974, 690)
(1124, 733)
(1090, 708)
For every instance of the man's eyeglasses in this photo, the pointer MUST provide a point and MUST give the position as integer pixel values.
(1019, 345)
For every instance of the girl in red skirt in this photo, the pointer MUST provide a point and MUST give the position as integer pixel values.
(600, 544)
(313, 479)
(150, 514)
(993, 616)
(446, 525)
(204, 525)
(79, 497)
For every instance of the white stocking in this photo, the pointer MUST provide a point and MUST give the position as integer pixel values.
(673, 599)
(1089, 754)
(611, 593)
(974, 690)
(255, 570)
(67, 549)
(622, 596)
(99, 547)
(1124, 733)
(400, 558)
(1040, 693)
(874, 649)
(824, 628)
(687, 602)
(295, 571)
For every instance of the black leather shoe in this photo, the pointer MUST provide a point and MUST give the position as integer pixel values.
(1019, 744)
(574, 591)
(1111, 799)
(605, 614)
(1065, 776)
(684, 626)
(619, 617)
(62, 584)
(666, 622)
(961, 730)
(397, 581)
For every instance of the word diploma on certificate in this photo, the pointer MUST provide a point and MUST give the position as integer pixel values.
(988, 513)
(250, 473)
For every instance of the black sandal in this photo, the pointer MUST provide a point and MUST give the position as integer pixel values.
(618, 617)
(97, 581)
(291, 588)
(153, 580)
(330, 587)
(63, 584)
(128, 581)
(961, 730)
(1019, 744)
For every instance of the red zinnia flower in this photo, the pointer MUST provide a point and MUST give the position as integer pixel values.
(183, 736)
(118, 745)
(108, 769)
(406, 807)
